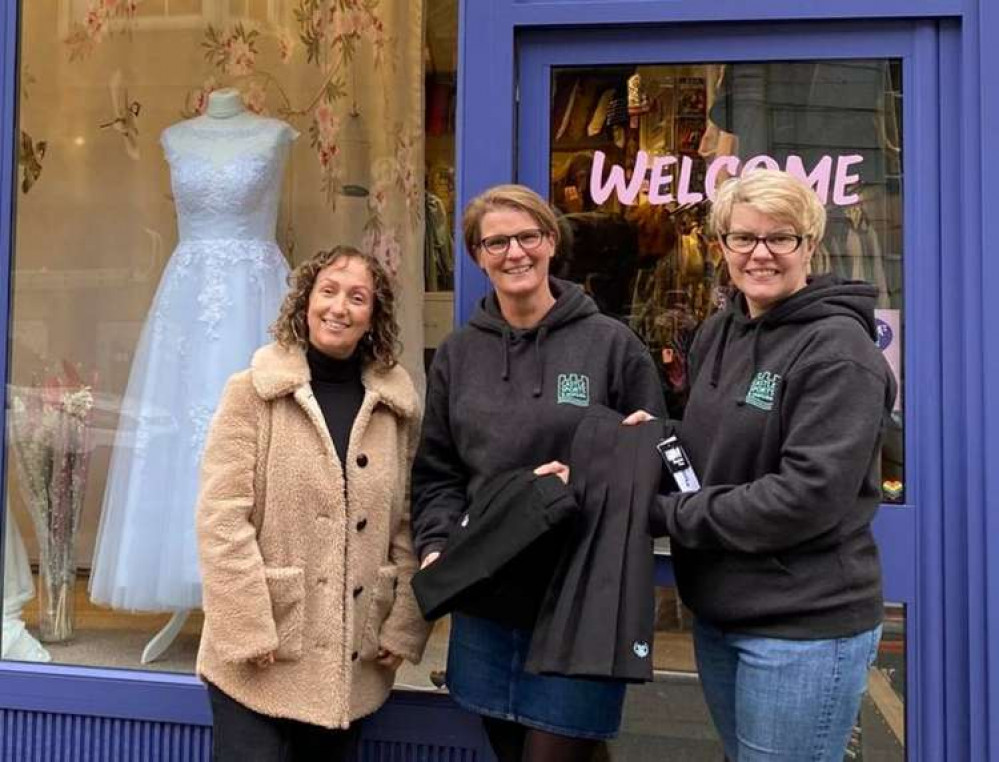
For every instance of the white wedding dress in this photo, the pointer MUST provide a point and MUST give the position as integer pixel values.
(219, 293)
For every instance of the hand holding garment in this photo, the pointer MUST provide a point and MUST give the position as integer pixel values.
(501, 552)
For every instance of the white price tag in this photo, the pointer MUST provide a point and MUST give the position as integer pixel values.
(676, 460)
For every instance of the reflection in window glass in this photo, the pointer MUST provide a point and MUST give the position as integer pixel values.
(110, 299)
(637, 151)
(636, 154)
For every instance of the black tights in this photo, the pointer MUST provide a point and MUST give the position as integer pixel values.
(512, 742)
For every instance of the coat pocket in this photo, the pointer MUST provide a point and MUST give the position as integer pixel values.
(382, 598)
(286, 585)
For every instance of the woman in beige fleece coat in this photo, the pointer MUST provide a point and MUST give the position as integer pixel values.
(303, 526)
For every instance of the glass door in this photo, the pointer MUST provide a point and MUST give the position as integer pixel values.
(628, 133)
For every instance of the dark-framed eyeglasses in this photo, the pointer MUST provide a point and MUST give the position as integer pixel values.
(498, 245)
(778, 244)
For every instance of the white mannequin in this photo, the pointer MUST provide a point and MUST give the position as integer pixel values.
(125, 569)
(225, 112)
(18, 643)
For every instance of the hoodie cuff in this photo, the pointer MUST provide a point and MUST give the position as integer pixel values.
(663, 514)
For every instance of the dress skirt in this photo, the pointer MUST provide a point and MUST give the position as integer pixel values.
(485, 674)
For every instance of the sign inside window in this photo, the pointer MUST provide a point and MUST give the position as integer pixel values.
(668, 178)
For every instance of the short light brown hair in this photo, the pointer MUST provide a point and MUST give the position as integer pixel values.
(774, 193)
(517, 197)
(291, 329)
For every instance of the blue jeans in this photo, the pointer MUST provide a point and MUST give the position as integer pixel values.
(774, 699)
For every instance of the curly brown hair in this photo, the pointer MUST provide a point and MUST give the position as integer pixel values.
(291, 329)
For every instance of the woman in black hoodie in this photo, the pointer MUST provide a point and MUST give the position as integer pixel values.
(774, 554)
(506, 391)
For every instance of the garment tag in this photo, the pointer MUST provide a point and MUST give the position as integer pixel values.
(676, 460)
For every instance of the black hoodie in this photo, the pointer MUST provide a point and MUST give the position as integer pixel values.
(784, 428)
(501, 398)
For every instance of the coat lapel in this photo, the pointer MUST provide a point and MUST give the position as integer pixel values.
(279, 371)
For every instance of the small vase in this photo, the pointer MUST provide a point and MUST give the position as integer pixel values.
(56, 600)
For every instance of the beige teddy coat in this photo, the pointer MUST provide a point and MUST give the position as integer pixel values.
(289, 563)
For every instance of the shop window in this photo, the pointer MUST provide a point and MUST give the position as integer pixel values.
(120, 338)
(637, 152)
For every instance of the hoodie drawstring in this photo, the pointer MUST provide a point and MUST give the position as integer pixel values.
(716, 366)
(539, 337)
(506, 353)
(542, 332)
(720, 352)
(754, 357)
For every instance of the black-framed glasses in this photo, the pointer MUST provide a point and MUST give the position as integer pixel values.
(498, 245)
(778, 244)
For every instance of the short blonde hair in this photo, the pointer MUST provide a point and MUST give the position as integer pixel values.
(291, 329)
(775, 193)
(517, 197)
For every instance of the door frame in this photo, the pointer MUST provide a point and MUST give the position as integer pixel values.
(539, 52)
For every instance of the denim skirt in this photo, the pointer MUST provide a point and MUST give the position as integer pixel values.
(485, 674)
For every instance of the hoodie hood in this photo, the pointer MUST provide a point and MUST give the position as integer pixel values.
(571, 304)
(823, 297)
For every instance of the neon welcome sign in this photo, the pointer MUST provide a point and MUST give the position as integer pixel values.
(668, 178)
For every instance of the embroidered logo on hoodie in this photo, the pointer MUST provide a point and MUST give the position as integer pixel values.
(763, 390)
(573, 389)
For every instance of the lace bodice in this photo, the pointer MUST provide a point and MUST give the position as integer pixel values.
(226, 176)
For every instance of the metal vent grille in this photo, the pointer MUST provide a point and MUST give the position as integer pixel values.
(43, 737)
(395, 751)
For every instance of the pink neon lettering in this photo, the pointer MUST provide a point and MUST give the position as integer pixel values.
(762, 160)
(843, 180)
(818, 178)
(729, 163)
(684, 196)
(626, 191)
(660, 180)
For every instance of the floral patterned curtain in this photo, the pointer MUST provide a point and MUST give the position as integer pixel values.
(101, 79)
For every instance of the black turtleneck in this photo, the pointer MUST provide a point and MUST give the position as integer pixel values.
(339, 392)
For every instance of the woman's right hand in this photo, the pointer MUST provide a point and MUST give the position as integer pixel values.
(430, 558)
(559, 469)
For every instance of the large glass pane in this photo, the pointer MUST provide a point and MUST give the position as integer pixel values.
(107, 304)
(637, 152)
(636, 155)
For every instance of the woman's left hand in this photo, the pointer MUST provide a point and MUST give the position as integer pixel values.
(639, 416)
(388, 659)
(561, 470)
